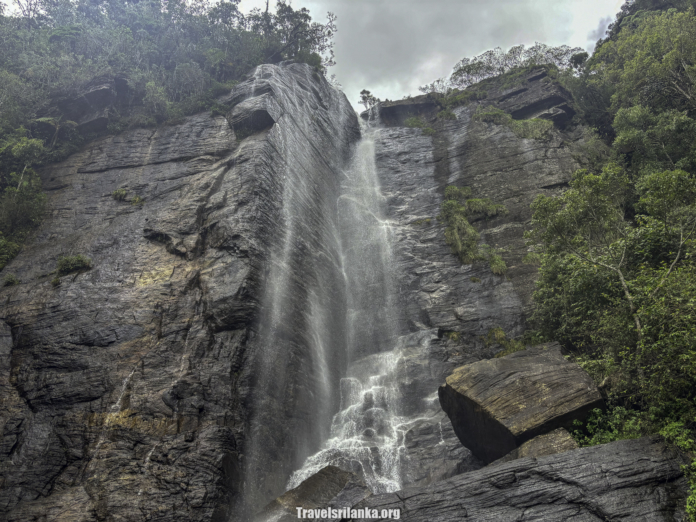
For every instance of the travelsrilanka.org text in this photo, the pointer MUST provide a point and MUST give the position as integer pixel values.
(348, 513)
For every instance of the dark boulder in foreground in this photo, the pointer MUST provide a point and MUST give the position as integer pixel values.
(496, 405)
(637, 480)
(551, 443)
(330, 487)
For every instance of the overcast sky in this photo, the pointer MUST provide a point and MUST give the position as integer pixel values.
(391, 47)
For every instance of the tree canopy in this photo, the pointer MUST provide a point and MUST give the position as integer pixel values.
(168, 59)
(617, 277)
(469, 71)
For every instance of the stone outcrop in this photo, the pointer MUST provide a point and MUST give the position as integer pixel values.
(466, 301)
(638, 479)
(498, 404)
(330, 487)
(128, 390)
(556, 441)
(537, 97)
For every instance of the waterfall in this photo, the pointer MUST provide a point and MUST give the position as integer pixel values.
(366, 239)
(367, 434)
(299, 347)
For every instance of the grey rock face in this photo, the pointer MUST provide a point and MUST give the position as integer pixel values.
(556, 441)
(414, 169)
(464, 302)
(498, 404)
(205, 347)
(330, 487)
(626, 480)
(128, 390)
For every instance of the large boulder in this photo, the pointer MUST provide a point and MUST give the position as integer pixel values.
(557, 441)
(638, 479)
(331, 487)
(496, 405)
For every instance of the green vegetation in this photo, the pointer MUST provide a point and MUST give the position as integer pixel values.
(460, 235)
(10, 280)
(70, 264)
(119, 194)
(536, 128)
(453, 336)
(137, 200)
(159, 61)
(22, 203)
(446, 115)
(416, 122)
(497, 336)
(475, 279)
(617, 281)
(453, 97)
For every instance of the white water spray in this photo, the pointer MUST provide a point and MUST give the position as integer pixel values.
(367, 434)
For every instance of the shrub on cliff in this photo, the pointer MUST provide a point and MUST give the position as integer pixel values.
(460, 235)
(416, 122)
(70, 264)
(535, 129)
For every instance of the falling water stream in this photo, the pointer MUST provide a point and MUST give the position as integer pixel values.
(367, 434)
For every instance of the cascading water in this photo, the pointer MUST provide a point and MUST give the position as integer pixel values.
(366, 238)
(367, 434)
(299, 349)
(332, 337)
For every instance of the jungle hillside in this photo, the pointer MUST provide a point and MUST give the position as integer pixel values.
(72, 71)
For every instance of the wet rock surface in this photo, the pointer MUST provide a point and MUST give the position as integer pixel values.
(330, 487)
(637, 479)
(499, 404)
(556, 441)
(414, 170)
(464, 302)
(127, 389)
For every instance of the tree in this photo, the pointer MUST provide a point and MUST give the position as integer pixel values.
(655, 141)
(587, 222)
(653, 63)
(494, 62)
(367, 99)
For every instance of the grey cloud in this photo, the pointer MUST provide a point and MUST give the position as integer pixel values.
(392, 47)
(600, 31)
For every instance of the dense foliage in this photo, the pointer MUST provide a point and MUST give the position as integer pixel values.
(455, 212)
(617, 279)
(166, 59)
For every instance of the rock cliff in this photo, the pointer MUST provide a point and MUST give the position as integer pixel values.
(128, 391)
(462, 303)
(197, 364)
(629, 479)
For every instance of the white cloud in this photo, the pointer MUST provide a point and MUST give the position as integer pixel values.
(393, 46)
